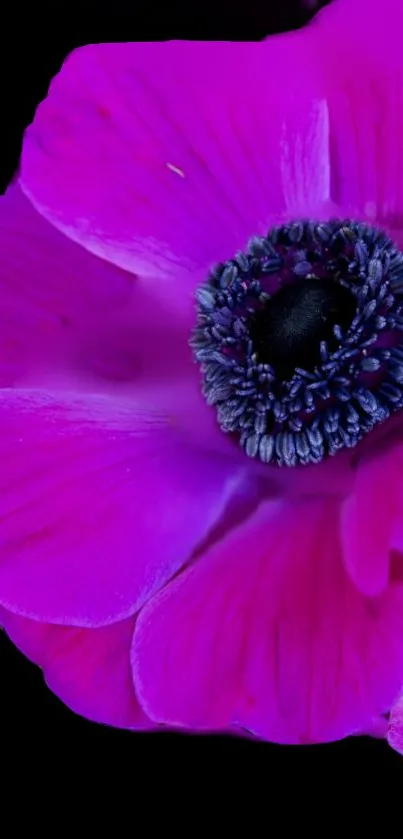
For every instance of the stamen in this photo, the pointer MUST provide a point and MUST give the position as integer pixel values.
(300, 339)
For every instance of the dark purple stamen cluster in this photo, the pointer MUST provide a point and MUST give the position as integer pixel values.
(300, 339)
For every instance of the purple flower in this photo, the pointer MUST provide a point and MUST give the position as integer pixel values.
(201, 439)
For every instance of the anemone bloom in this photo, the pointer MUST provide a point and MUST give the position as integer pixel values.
(201, 439)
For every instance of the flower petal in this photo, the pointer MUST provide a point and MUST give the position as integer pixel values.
(88, 669)
(101, 502)
(166, 157)
(371, 518)
(378, 728)
(395, 733)
(267, 632)
(70, 317)
(359, 46)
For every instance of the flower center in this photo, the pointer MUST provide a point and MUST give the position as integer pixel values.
(300, 340)
(296, 319)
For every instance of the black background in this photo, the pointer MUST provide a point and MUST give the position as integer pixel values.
(34, 725)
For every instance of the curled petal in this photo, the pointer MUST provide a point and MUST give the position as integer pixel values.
(166, 157)
(88, 669)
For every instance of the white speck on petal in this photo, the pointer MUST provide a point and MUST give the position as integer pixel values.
(176, 170)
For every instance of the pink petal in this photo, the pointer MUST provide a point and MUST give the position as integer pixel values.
(166, 157)
(71, 321)
(395, 733)
(267, 632)
(371, 518)
(188, 176)
(101, 502)
(378, 728)
(88, 669)
(67, 316)
(358, 44)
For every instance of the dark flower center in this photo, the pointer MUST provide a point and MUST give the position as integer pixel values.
(299, 339)
(296, 319)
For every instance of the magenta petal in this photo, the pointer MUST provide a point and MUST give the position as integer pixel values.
(395, 733)
(88, 669)
(53, 294)
(71, 318)
(378, 728)
(267, 632)
(371, 518)
(101, 502)
(358, 44)
(166, 157)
